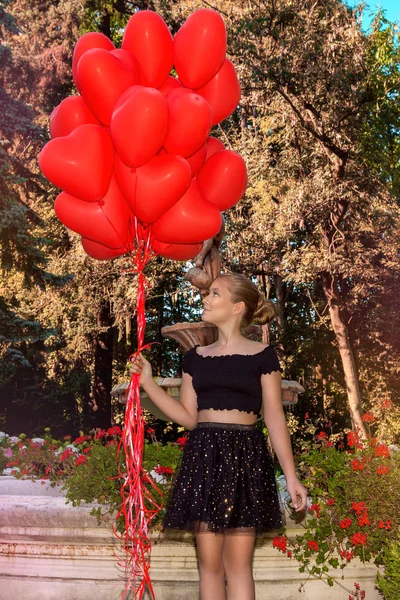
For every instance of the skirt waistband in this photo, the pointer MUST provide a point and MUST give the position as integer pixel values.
(224, 425)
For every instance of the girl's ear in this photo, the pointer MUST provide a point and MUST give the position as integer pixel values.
(239, 307)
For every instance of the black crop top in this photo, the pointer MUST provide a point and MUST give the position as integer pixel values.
(231, 381)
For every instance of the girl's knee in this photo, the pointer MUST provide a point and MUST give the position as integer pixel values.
(212, 567)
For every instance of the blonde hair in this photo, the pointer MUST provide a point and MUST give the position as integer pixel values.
(259, 310)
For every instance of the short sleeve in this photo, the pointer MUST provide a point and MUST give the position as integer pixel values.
(270, 361)
(188, 361)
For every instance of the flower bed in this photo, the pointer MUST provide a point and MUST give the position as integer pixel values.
(87, 466)
(355, 489)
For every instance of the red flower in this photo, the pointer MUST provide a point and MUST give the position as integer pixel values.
(289, 554)
(306, 416)
(24, 471)
(80, 460)
(388, 524)
(382, 470)
(114, 430)
(312, 545)
(363, 520)
(111, 443)
(100, 434)
(66, 454)
(348, 555)
(315, 508)
(331, 502)
(182, 440)
(151, 431)
(359, 539)
(381, 524)
(358, 507)
(329, 444)
(386, 404)
(280, 543)
(368, 417)
(357, 465)
(48, 468)
(13, 463)
(345, 523)
(321, 435)
(381, 450)
(163, 470)
(86, 450)
(83, 438)
(67, 437)
(353, 439)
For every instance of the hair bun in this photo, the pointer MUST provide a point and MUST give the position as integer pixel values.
(265, 311)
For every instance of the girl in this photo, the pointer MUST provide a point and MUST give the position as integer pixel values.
(224, 489)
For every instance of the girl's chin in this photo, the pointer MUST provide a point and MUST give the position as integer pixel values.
(206, 317)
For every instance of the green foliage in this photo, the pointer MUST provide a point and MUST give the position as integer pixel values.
(389, 583)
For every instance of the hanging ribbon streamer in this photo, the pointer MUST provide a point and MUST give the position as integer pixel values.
(136, 496)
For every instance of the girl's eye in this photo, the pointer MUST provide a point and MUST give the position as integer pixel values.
(216, 293)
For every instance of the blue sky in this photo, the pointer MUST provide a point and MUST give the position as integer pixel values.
(392, 8)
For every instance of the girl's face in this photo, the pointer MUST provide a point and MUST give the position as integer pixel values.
(218, 305)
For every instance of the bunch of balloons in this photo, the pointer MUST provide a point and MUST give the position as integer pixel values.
(135, 147)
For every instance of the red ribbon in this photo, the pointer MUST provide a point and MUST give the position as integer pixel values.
(136, 497)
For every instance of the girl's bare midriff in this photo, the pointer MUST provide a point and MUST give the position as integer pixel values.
(226, 416)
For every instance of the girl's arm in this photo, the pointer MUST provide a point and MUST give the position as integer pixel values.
(183, 412)
(275, 420)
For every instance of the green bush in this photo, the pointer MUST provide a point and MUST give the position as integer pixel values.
(389, 583)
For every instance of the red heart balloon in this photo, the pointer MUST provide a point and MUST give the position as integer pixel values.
(171, 83)
(200, 47)
(138, 127)
(128, 61)
(71, 113)
(197, 159)
(126, 177)
(190, 221)
(213, 145)
(80, 163)
(105, 222)
(149, 40)
(176, 251)
(222, 179)
(222, 92)
(101, 252)
(160, 183)
(102, 77)
(189, 122)
(127, 94)
(90, 40)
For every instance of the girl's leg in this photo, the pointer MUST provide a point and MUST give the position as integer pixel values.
(237, 558)
(212, 576)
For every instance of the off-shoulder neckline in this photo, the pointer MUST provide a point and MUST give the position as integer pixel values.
(230, 355)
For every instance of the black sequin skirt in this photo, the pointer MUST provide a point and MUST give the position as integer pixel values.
(225, 482)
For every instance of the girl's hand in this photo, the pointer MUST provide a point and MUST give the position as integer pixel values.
(298, 494)
(140, 365)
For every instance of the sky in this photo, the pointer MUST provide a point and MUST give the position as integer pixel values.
(391, 8)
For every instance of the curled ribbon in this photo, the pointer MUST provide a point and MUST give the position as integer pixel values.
(138, 506)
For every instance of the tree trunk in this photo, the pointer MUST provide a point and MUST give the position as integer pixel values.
(103, 368)
(333, 298)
